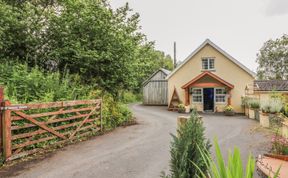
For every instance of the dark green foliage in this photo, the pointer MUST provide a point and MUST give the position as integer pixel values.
(273, 59)
(87, 37)
(24, 85)
(184, 149)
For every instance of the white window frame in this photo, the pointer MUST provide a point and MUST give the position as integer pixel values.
(201, 89)
(209, 59)
(225, 95)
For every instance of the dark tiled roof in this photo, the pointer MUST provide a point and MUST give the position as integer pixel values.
(271, 85)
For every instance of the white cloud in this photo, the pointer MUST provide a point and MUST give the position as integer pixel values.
(277, 7)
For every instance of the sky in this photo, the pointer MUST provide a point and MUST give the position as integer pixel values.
(240, 27)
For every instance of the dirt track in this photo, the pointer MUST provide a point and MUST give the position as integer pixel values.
(141, 150)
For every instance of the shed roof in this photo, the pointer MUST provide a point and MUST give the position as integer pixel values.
(207, 41)
(271, 85)
(165, 71)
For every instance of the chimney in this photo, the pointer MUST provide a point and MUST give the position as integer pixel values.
(175, 60)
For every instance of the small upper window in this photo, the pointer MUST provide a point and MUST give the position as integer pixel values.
(208, 64)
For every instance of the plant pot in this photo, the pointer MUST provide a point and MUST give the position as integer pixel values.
(229, 113)
(246, 111)
(257, 114)
(277, 156)
(187, 109)
(264, 120)
(181, 110)
(251, 114)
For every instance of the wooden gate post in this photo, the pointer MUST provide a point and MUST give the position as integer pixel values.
(101, 122)
(6, 137)
(1, 128)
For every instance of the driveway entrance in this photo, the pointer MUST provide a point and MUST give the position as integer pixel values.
(139, 151)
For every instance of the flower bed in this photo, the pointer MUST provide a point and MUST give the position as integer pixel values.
(229, 111)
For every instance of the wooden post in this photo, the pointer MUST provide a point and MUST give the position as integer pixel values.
(181, 120)
(229, 98)
(101, 122)
(187, 100)
(175, 60)
(6, 123)
(1, 128)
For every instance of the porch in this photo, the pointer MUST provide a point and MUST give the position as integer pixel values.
(208, 92)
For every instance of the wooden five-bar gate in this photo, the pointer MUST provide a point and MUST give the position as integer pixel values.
(28, 128)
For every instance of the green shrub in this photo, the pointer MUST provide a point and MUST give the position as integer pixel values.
(129, 97)
(114, 112)
(275, 105)
(27, 85)
(265, 106)
(244, 101)
(254, 104)
(184, 149)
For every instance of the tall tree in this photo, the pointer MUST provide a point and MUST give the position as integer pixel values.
(273, 59)
(87, 37)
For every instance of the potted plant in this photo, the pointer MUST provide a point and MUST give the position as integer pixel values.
(181, 108)
(279, 147)
(269, 110)
(254, 106)
(245, 105)
(229, 111)
(264, 114)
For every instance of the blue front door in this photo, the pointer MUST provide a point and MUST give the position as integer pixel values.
(208, 96)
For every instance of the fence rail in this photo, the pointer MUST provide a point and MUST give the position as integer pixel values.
(28, 128)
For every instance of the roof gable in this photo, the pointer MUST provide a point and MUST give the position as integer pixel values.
(165, 72)
(204, 74)
(207, 41)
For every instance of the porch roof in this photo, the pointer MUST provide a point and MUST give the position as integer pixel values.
(204, 74)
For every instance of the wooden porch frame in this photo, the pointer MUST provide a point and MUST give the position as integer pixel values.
(206, 85)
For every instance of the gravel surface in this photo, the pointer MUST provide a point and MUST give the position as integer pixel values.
(140, 150)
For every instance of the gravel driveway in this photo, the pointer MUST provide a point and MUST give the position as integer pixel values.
(141, 150)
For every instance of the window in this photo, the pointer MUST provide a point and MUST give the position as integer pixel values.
(197, 95)
(220, 95)
(208, 64)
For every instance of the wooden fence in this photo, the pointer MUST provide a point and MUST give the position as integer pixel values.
(28, 128)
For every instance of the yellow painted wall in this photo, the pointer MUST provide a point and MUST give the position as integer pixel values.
(224, 68)
(266, 96)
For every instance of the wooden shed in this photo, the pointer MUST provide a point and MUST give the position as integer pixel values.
(155, 88)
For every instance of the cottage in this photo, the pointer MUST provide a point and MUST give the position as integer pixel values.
(264, 89)
(155, 90)
(209, 79)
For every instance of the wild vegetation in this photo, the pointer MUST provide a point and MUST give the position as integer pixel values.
(71, 50)
(102, 46)
(66, 50)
